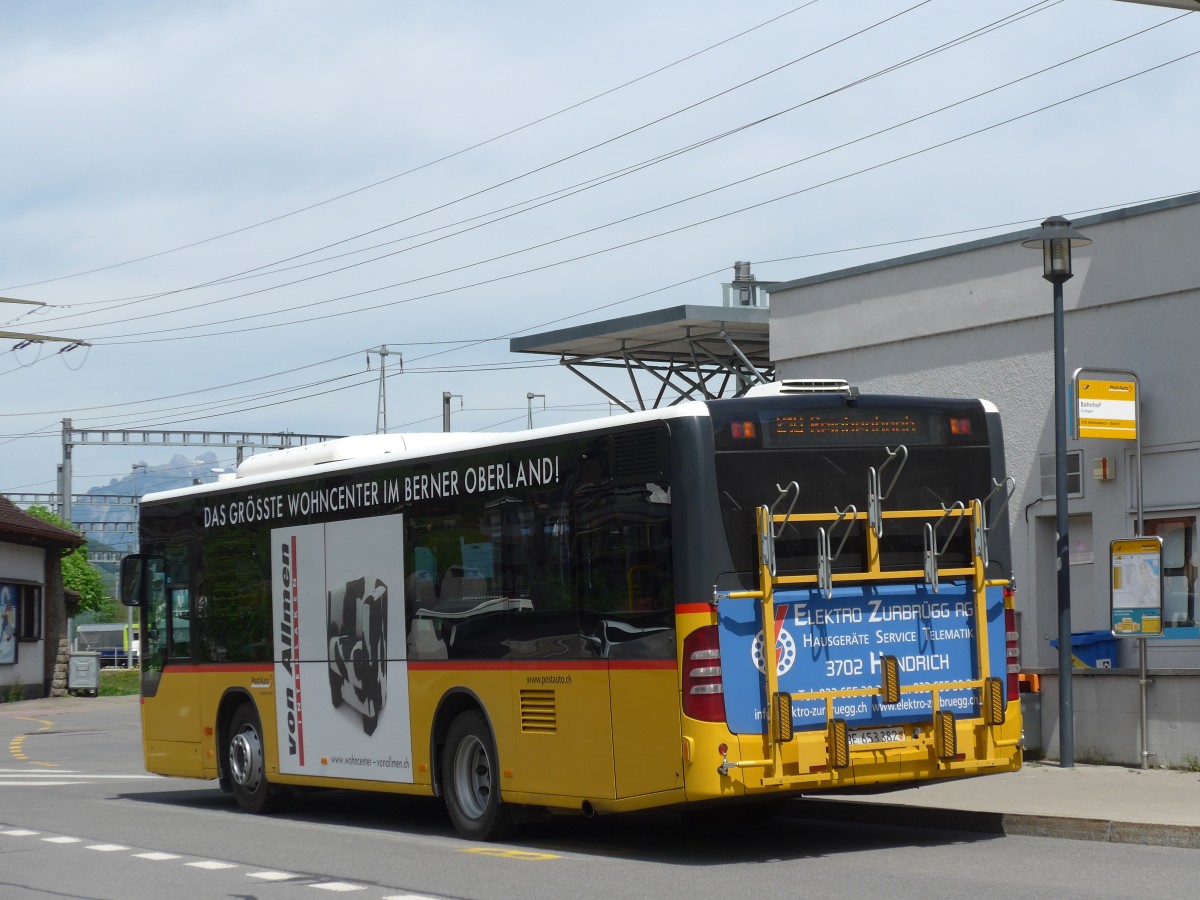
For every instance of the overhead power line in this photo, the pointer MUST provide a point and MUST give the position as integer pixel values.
(174, 335)
(51, 429)
(924, 54)
(538, 169)
(426, 165)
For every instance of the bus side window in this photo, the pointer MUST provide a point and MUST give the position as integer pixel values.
(181, 621)
(154, 650)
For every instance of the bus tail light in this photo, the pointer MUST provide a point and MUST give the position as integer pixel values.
(1012, 647)
(703, 687)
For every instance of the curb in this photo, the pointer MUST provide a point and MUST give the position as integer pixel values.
(1013, 824)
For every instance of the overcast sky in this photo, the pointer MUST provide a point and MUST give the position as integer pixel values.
(234, 201)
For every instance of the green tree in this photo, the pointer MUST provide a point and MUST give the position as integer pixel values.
(78, 574)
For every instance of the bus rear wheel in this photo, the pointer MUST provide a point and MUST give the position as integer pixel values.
(470, 780)
(245, 763)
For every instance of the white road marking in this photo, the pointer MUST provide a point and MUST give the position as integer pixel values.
(271, 876)
(60, 778)
(74, 773)
(210, 865)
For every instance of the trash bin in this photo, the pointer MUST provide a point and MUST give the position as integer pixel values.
(83, 673)
(1092, 650)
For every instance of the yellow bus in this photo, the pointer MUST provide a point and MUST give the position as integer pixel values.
(571, 619)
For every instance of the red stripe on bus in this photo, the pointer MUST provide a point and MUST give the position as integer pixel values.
(500, 665)
(447, 665)
(252, 668)
(686, 608)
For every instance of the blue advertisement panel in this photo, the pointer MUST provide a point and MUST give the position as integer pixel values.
(835, 645)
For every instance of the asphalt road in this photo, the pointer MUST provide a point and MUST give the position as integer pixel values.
(79, 818)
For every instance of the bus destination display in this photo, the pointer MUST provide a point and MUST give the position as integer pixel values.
(843, 427)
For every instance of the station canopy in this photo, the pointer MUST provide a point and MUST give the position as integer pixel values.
(689, 352)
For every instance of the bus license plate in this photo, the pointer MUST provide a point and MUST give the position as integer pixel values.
(875, 736)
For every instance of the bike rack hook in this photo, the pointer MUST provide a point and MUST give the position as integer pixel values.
(932, 552)
(783, 492)
(875, 495)
(825, 556)
(983, 526)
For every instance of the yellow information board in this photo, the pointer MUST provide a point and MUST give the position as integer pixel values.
(1106, 409)
(1136, 586)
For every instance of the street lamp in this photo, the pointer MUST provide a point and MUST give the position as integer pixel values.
(1056, 240)
(446, 395)
(137, 484)
(529, 395)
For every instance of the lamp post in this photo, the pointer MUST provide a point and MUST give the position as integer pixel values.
(529, 395)
(1055, 240)
(446, 395)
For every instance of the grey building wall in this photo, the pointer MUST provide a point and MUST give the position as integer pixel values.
(976, 320)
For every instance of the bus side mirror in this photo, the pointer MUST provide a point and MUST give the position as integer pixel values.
(133, 571)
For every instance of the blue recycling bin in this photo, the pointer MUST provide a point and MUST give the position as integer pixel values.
(1092, 650)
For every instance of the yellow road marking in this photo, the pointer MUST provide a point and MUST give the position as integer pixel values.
(16, 748)
(501, 853)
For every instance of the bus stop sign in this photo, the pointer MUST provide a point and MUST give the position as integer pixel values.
(1106, 407)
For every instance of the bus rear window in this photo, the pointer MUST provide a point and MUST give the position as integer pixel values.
(836, 478)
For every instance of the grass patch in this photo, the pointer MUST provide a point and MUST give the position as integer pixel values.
(1189, 763)
(117, 682)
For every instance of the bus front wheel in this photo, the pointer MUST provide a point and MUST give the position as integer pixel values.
(245, 763)
(470, 780)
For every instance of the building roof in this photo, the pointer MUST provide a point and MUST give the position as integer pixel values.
(1011, 237)
(696, 351)
(17, 527)
(661, 335)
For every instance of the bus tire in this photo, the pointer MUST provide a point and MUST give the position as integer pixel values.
(470, 780)
(245, 761)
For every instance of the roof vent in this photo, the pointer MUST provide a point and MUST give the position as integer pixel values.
(802, 386)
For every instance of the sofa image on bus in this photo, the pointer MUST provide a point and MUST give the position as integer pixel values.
(357, 631)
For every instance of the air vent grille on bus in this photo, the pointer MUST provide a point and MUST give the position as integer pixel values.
(539, 712)
(635, 454)
(801, 386)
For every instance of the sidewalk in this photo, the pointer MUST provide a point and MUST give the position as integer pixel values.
(1101, 803)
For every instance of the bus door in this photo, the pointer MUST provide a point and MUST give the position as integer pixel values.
(629, 623)
(173, 742)
(644, 691)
